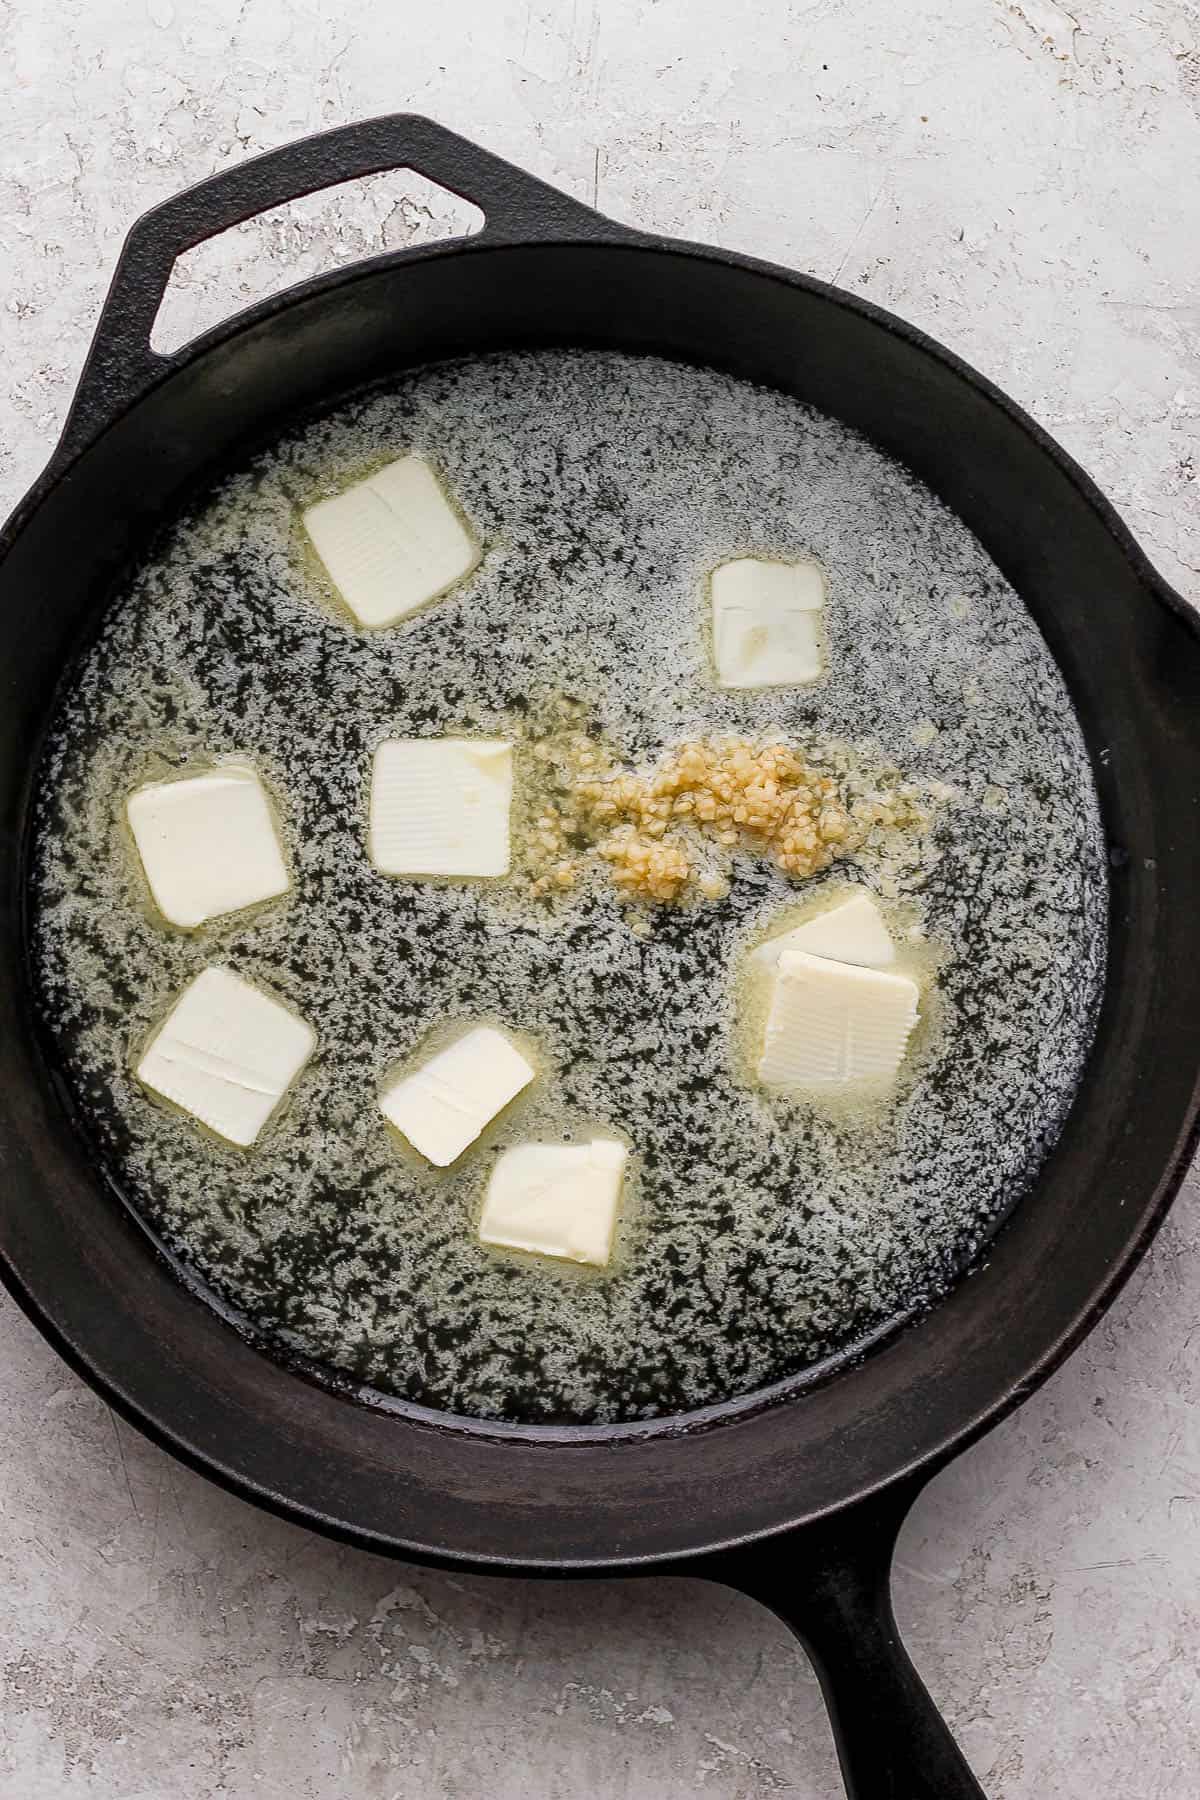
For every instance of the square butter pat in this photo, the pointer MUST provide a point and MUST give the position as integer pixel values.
(445, 1104)
(766, 622)
(556, 1199)
(440, 806)
(227, 1053)
(207, 843)
(833, 1024)
(849, 931)
(391, 543)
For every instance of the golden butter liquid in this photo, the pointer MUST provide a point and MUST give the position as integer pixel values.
(760, 1235)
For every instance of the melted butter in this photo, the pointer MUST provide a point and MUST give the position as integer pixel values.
(759, 1234)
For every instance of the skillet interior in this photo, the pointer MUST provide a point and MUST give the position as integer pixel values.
(760, 1235)
(1130, 661)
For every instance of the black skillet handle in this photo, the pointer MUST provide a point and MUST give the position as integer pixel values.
(121, 365)
(831, 1583)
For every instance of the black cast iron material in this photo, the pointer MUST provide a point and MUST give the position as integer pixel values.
(794, 1495)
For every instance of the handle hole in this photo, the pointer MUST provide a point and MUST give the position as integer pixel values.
(276, 249)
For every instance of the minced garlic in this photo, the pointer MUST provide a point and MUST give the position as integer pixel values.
(660, 833)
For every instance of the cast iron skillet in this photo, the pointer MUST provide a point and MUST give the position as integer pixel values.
(795, 1494)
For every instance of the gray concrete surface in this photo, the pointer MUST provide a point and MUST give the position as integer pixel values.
(1022, 181)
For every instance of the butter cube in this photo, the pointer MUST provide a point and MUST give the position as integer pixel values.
(227, 1054)
(391, 543)
(849, 931)
(556, 1199)
(445, 1104)
(440, 806)
(833, 1024)
(766, 622)
(207, 844)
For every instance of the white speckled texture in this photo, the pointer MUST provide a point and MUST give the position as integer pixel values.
(1019, 179)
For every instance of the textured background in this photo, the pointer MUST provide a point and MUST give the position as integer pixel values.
(1020, 180)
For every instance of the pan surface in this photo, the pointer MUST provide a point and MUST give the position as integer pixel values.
(147, 433)
(760, 1235)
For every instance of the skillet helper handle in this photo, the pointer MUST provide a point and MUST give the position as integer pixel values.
(831, 1584)
(121, 366)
